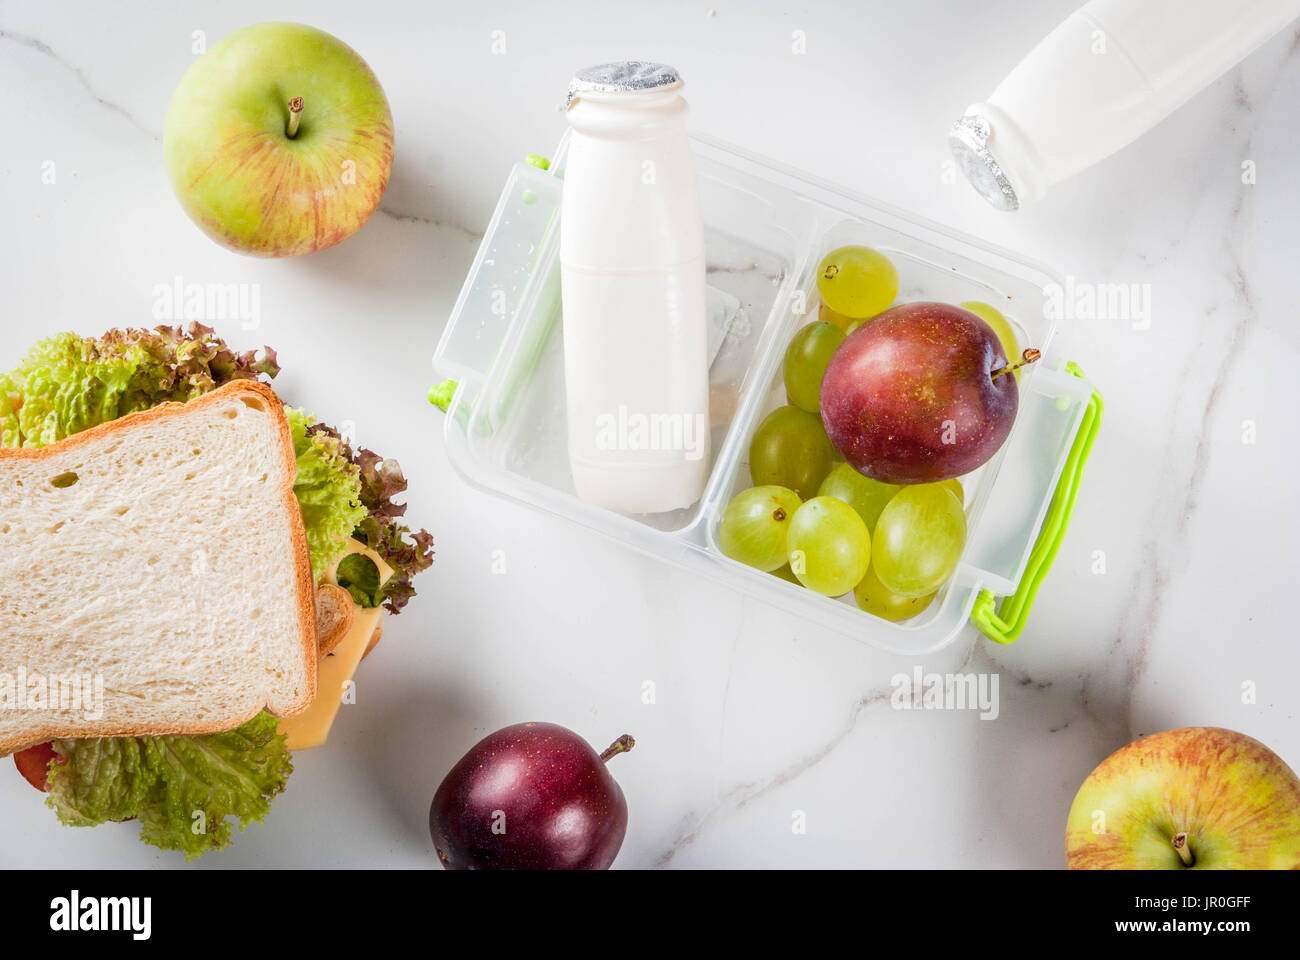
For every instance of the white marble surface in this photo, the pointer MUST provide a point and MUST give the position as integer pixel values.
(758, 715)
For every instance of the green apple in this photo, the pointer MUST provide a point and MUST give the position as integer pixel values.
(279, 140)
(1200, 797)
(993, 317)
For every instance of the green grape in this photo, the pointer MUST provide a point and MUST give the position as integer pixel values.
(754, 525)
(830, 316)
(875, 598)
(857, 282)
(829, 546)
(993, 317)
(953, 484)
(805, 363)
(790, 449)
(918, 540)
(785, 573)
(863, 494)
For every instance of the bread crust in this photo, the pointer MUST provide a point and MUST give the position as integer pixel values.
(305, 599)
(334, 613)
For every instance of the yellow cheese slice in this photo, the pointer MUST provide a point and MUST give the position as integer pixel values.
(330, 575)
(312, 726)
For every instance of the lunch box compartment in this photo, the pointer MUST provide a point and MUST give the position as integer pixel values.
(766, 229)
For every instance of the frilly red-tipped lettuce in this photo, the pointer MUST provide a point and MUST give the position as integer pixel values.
(381, 529)
(181, 789)
(68, 383)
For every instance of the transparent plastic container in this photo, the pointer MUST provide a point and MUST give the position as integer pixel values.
(766, 229)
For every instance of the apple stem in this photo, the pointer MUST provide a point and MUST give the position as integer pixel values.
(622, 745)
(1184, 854)
(295, 115)
(1029, 356)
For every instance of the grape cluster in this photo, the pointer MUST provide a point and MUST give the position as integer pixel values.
(813, 519)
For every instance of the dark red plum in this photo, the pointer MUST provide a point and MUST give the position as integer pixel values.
(533, 796)
(919, 394)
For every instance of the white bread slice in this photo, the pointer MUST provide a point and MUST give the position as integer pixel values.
(175, 567)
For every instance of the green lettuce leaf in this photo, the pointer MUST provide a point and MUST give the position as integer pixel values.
(382, 529)
(358, 575)
(181, 789)
(328, 488)
(67, 383)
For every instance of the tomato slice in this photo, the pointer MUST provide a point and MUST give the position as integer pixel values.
(34, 764)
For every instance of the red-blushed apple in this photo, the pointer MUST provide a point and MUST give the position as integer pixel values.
(1198, 797)
(921, 393)
(279, 140)
(532, 796)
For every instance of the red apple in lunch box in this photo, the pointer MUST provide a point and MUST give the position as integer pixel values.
(279, 140)
(533, 796)
(921, 393)
(1199, 797)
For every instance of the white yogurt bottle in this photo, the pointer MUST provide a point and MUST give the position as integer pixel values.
(1110, 72)
(633, 287)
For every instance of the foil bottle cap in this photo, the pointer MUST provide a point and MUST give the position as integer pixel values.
(623, 76)
(968, 138)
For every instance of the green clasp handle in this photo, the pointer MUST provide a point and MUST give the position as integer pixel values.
(1004, 624)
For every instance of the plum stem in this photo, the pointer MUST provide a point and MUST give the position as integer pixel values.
(1184, 853)
(1029, 356)
(622, 745)
(295, 115)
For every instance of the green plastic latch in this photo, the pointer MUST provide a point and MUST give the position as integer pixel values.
(536, 334)
(1005, 623)
(440, 394)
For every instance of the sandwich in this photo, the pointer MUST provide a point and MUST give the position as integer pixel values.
(190, 575)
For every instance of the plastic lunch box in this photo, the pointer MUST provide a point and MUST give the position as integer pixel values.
(766, 229)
